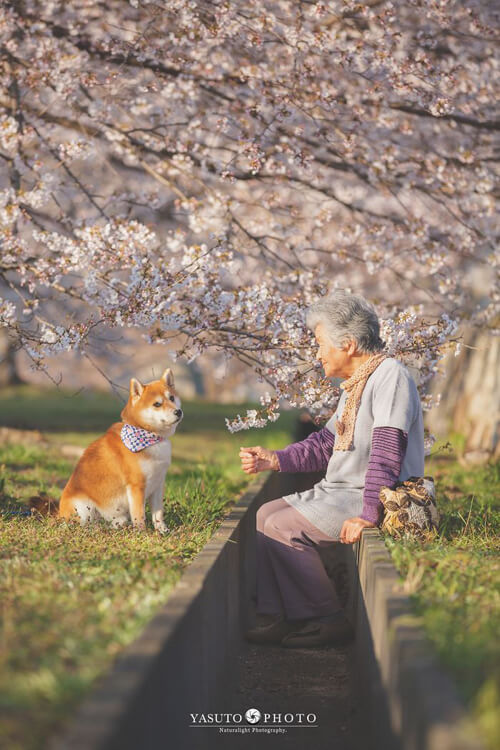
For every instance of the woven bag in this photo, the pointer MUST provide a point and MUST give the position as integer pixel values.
(410, 509)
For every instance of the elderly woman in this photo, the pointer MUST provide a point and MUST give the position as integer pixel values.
(374, 439)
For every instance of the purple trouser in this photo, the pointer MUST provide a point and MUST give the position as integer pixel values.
(291, 578)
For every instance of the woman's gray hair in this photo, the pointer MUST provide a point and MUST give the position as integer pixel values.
(347, 317)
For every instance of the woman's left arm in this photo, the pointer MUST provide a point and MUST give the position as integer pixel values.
(388, 448)
(310, 454)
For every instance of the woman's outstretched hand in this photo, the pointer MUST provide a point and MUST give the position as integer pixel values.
(258, 459)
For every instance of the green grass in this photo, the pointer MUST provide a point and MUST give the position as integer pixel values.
(72, 597)
(454, 582)
(62, 411)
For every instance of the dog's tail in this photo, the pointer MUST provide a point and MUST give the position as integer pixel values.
(44, 505)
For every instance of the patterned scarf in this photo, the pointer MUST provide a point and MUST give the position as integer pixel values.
(344, 429)
(136, 439)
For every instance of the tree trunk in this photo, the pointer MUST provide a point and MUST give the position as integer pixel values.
(470, 397)
(8, 368)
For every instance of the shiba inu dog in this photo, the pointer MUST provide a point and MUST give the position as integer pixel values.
(127, 465)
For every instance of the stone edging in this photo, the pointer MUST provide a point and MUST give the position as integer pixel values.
(411, 703)
(178, 663)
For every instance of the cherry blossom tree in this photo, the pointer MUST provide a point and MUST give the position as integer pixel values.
(205, 170)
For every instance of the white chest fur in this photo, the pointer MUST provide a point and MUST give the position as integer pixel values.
(154, 462)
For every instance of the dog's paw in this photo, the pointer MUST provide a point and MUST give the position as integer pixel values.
(162, 528)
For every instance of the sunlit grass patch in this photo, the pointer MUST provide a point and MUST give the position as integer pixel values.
(454, 583)
(72, 597)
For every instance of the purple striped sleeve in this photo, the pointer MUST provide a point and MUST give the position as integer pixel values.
(311, 454)
(387, 452)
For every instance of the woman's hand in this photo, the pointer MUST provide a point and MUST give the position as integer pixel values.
(351, 529)
(258, 459)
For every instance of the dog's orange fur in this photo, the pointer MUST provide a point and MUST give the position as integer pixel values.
(112, 480)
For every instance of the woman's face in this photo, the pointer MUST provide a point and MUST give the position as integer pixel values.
(335, 361)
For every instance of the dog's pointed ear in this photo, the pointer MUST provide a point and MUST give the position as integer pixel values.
(136, 389)
(168, 377)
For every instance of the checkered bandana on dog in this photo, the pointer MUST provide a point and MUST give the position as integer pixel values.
(136, 439)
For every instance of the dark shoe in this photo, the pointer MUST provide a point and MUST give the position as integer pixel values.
(266, 619)
(272, 633)
(315, 633)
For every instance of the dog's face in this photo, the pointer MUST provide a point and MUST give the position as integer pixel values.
(156, 405)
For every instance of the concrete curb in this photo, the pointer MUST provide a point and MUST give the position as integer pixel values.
(179, 662)
(409, 701)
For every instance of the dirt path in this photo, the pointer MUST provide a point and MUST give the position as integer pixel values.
(305, 681)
